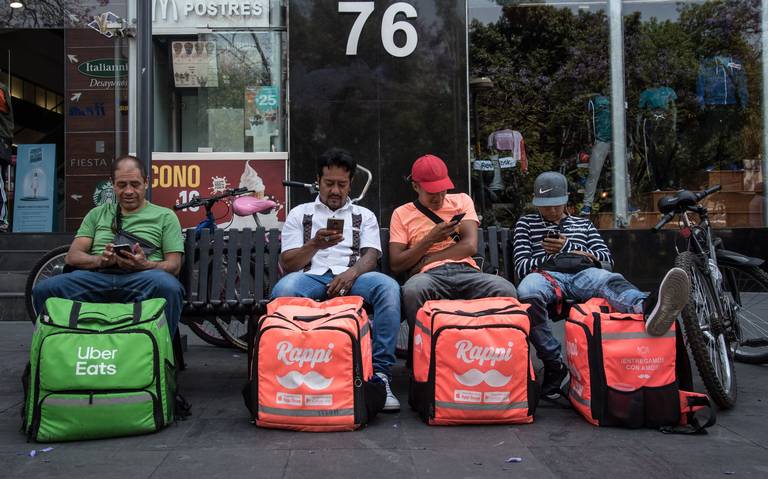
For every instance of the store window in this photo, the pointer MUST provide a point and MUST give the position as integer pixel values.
(221, 92)
(220, 79)
(694, 107)
(691, 86)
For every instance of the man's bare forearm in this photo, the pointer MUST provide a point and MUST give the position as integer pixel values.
(298, 258)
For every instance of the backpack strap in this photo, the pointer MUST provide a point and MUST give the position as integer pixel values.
(434, 217)
(74, 314)
(136, 312)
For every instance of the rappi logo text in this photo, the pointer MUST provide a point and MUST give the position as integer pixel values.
(469, 353)
(87, 365)
(289, 354)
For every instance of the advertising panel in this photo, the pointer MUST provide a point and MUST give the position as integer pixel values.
(35, 192)
(179, 177)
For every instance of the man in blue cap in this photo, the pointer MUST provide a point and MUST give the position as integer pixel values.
(559, 256)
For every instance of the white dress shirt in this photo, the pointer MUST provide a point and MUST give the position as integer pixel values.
(336, 258)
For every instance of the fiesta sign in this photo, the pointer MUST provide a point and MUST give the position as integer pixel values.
(175, 14)
(104, 67)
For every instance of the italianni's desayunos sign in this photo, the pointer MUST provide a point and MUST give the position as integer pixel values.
(173, 15)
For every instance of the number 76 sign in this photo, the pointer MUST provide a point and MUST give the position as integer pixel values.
(388, 26)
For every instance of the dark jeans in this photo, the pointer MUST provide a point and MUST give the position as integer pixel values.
(451, 281)
(93, 287)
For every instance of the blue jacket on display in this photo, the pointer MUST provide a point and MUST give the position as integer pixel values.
(600, 107)
(722, 80)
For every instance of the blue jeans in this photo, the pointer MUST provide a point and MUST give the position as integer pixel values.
(537, 291)
(377, 289)
(93, 287)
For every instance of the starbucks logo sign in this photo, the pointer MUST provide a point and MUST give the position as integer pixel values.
(104, 193)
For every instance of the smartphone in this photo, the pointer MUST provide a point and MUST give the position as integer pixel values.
(122, 247)
(552, 234)
(458, 217)
(335, 224)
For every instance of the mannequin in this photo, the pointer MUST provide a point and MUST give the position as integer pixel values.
(721, 91)
(657, 130)
(599, 107)
(6, 138)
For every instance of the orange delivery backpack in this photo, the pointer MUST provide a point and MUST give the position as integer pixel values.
(622, 376)
(471, 363)
(310, 366)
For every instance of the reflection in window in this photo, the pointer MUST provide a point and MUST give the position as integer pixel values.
(225, 92)
(693, 91)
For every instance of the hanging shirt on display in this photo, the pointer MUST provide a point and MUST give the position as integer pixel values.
(600, 107)
(509, 141)
(722, 80)
(660, 98)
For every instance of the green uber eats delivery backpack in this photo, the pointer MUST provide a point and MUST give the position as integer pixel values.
(99, 370)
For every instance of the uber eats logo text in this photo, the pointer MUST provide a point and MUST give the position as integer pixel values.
(91, 362)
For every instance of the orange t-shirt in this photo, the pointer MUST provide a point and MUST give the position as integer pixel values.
(409, 226)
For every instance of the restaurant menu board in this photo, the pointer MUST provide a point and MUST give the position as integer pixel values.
(194, 64)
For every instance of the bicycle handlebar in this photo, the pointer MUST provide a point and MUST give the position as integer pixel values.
(298, 184)
(703, 194)
(666, 219)
(199, 201)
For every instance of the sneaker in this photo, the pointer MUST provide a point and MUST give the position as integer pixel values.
(391, 404)
(555, 374)
(663, 307)
(585, 211)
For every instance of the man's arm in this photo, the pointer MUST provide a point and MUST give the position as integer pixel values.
(297, 258)
(366, 262)
(523, 250)
(79, 255)
(465, 247)
(402, 258)
(136, 261)
(597, 246)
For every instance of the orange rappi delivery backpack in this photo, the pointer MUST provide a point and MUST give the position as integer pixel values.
(621, 376)
(310, 366)
(471, 363)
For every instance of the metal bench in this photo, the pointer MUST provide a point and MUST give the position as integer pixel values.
(231, 272)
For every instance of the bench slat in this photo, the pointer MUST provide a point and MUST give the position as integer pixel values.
(246, 275)
(216, 267)
(493, 247)
(231, 283)
(506, 256)
(481, 243)
(258, 268)
(190, 278)
(204, 245)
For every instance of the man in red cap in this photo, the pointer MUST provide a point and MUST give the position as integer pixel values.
(434, 238)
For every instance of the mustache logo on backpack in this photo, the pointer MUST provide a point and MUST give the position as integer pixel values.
(312, 380)
(473, 377)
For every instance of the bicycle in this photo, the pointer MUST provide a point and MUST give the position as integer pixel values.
(726, 317)
(224, 331)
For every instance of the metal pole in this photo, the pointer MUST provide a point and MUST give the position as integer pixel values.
(144, 77)
(764, 169)
(616, 28)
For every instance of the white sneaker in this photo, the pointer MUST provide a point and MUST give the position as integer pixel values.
(672, 297)
(391, 404)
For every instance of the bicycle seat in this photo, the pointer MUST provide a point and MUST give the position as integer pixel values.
(677, 202)
(248, 205)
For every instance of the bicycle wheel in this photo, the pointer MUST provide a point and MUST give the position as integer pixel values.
(705, 334)
(234, 331)
(51, 264)
(205, 328)
(748, 287)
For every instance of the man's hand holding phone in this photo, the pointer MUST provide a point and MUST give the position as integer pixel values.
(553, 242)
(331, 235)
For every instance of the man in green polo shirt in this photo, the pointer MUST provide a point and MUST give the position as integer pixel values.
(122, 253)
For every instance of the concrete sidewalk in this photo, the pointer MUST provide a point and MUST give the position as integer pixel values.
(219, 441)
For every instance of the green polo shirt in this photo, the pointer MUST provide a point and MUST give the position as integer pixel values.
(151, 223)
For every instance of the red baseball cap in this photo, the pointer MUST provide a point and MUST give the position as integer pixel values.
(431, 174)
